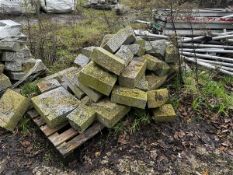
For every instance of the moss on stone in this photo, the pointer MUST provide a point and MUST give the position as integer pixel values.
(12, 108)
(165, 113)
(157, 98)
(97, 78)
(129, 97)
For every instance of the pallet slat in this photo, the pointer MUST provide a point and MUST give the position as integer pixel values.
(65, 138)
(59, 139)
(66, 148)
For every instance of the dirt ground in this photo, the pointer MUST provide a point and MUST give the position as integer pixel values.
(190, 145)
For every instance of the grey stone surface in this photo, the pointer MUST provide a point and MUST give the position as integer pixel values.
(156, 48)
(133, 73)
(122, 37)
(4, 82)
(81, 60)
(21, 55)
(16, 75)
(125, 54)
(9, 28)
(11, 44)
(87, 51)
(72, 82)
(55, 105)
(13, 66)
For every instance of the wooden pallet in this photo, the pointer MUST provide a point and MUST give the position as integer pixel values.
(65, 138)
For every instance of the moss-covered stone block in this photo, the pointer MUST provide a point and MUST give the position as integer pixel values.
(122, 37)
(156, 65)
(129, 97)
(155, 82)
(133, 73)
(87, 51)
(82, 117)
(47, 85)
(157, 98)
(97, 78)
(55, 105)
(4, 82)
(143, 84)
(71, 80)
(108, 113)
(91, 93)
(125, 54)
(165, 113)
(108, 60)
(171, 54)
(12, 108)
(106, 39)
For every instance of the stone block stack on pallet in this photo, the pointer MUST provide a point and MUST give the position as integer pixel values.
(109, 81)
(16, 59)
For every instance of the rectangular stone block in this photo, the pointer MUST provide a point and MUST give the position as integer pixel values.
(155, 82)
(81, 60)
(156, 48)
(171, 54)
(133, 73)
(12, 108)
(82, 117)
(108, 61)
(129, 97)
(59, 75)
(106, 39)
(16, 75)
(108, 113)
(1, 68)
(47, 85)
(91, 93)
(157, 98)
(156, 65)
(9, 28)
(87, 51)
(71, 80)
(125, 54)
(97, 78)
(55, 105)
(4, 82)
(13, 66)
(122, 37)
(22, 54)
(11, 44)
(143, 84)
(165, 113)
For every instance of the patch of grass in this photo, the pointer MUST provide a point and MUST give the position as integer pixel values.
(211, 93)
(140, 118)
(24, 125)
(29, 89)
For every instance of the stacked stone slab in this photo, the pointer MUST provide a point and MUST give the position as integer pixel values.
(107, 83)
(15, 55)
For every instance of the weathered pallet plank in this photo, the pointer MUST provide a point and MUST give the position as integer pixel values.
(67, 147)
(65, 138)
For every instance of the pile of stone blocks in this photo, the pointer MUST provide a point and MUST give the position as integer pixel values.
(125, 72)
(101, 4)
(16, 59)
